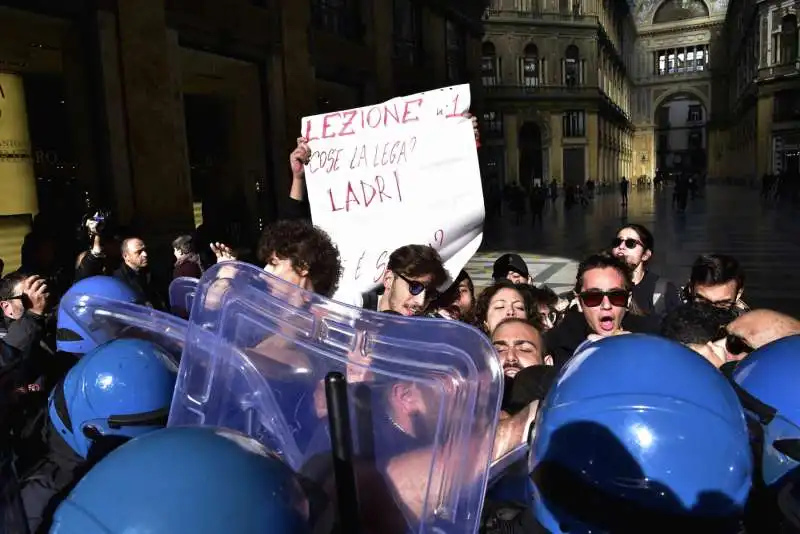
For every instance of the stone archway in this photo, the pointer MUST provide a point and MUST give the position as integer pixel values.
(677, 91)
(681, 133)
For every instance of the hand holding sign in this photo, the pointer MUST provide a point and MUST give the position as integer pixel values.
(401, 172)
(300, 156)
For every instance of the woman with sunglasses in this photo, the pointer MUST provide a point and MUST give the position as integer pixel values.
(654, 295)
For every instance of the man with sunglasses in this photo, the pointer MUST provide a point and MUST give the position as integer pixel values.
(701, 327)
(603, 293)
(717, 279)
(413, 274)
(753, 330)
(23, 300)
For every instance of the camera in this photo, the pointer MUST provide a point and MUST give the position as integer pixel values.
(95, 222)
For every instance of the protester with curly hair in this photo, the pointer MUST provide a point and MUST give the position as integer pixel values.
(298, 252)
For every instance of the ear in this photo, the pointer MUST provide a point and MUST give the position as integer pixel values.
(739, 294)
(647, 255)
(403, 397)
(548, 360)
(578, 302)
(388, 280)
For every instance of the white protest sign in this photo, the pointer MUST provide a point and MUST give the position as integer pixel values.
(398, 173)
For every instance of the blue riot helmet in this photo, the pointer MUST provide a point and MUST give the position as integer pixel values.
(766, 382)
(73, 335)
(639, 434)
(123, 388)
(201, 480)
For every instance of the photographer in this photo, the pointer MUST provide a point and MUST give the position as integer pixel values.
(24, 301)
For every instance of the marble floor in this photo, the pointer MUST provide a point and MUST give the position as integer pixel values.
(728, 219)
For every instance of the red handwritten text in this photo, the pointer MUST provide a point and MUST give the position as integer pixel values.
(438, 239)
(380, 265)
(344, 123)
(391, 153)
(383, 258)
(378, 190)
(327, 161)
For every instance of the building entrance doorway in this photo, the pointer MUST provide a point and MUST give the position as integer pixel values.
(530, 153)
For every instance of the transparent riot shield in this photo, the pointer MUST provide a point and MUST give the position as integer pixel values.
(424, 394)
(513, 459)
(181, 295)
(107, 319)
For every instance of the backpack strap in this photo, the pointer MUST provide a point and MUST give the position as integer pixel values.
(659, 298)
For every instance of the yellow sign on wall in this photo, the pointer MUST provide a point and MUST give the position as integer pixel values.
(17, 179)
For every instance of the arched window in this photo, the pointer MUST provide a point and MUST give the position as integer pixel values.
(675, 10)
(490, 64)
(572, 67)
(530, 66)
(789, 39)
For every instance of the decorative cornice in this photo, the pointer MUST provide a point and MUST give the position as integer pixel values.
(649, 31)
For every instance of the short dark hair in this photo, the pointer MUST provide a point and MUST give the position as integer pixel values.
(9, 283)
(415, 261)
(695, 322)
(716, 269)
(308, 248)
(542, 295)
(450, 294)
(603, 260)
(510, 320)
(645, 236)
(184, 244)
(534, 323)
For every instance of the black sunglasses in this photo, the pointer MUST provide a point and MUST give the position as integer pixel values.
(722, 304)
(415, 288)
(630, 243)
(734, 344)
(593, 297)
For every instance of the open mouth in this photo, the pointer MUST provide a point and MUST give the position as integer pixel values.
(511, 372)
(607, 323)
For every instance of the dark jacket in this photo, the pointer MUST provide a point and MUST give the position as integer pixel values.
(564, 339)
(189, 266)
(91, 265)
(643, 295)
(46, 485)
(142, 284)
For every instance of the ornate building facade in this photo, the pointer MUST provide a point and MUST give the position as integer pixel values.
(676, 48)
(157, 107)
(558, 90)
(644, 77)
(760, 90)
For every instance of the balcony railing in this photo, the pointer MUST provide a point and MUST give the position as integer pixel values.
(536, 15)
(784, 69)
(539, 91)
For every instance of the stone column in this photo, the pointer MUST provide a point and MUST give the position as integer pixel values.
(593, 139)
(151, 105)
(511, 132)
(764, 135)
